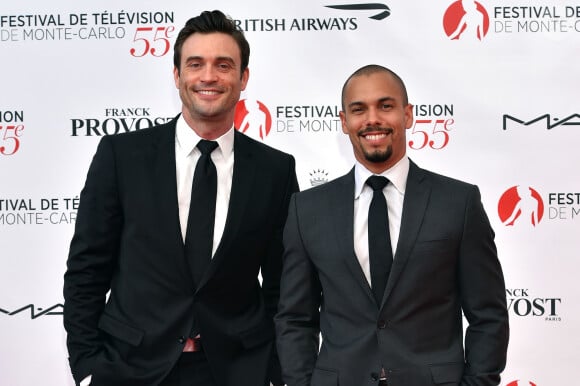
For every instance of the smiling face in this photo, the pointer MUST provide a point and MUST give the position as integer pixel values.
(210, 81)
(375, 117)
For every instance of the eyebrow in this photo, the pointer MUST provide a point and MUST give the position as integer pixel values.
(381, 100)
(219, 58)
(387, 99)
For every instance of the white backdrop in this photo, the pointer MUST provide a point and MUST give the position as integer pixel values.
(498, 108)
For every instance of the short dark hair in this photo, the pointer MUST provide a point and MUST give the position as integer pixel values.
(372, 69)
(208, 22)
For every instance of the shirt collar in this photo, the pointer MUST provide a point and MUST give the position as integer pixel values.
(187, 139)
(397, 174)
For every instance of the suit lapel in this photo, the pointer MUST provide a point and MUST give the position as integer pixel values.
(414, 206)
(343, 221)
(242, 183)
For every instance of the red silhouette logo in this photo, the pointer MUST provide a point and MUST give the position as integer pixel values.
(520, 202)
(466, 19)
(521, 383)
(253, 115)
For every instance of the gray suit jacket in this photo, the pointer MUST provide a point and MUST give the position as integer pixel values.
(445, 263)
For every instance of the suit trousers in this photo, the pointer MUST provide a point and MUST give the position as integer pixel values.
(192, 369)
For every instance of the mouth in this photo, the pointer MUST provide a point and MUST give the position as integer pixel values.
(375, 137)
(209, 91)
(375, 133)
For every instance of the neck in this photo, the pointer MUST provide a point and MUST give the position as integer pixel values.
(379, 167)
(207, 128)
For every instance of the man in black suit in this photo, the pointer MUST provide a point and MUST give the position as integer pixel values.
(169, 320)
(384, 320)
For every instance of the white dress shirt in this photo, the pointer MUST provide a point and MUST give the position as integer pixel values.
(394, 193)
(186, 157)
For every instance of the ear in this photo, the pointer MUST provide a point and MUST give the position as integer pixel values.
(176, 76)
(408, 116)
(245, 77)
(343, 122)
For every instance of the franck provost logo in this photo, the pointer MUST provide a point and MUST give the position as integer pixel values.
(116, 120)
(522, 303)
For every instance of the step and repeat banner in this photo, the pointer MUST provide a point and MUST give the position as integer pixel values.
(495, 85)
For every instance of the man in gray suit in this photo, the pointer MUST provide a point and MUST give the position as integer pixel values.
(384, 320)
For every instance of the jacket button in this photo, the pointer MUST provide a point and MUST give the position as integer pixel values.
(182, 339)
(374, 377)
(382, 324)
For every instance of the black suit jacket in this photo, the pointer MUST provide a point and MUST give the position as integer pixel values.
(128, 239)
(445, 263)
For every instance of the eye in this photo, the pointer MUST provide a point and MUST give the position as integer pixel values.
(194, 65)
(224, 66)
(356, 109)
(386, 106)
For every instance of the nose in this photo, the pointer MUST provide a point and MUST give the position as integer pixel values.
(373, 117)
(208, 74)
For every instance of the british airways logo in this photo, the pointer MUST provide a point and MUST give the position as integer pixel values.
(384, 10)
(345, 18)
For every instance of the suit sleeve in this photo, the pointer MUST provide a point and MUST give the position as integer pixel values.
(298, 318)
(271, 266)
(483, 299)
(91, 260)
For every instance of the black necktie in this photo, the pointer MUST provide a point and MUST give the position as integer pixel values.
(200, 223)
(380, 252)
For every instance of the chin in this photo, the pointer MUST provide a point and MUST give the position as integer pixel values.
(378, 156)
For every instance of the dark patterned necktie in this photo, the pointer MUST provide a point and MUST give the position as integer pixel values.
(380, 252)
(200, 223)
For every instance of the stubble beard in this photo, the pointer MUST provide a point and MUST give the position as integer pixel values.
(379, 156)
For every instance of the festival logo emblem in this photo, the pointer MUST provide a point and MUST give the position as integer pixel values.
(253, 115)
(520, 202)
(521, 383)
(466, 19)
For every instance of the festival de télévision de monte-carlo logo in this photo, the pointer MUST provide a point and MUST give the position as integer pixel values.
(523, 205)
(472, 20)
